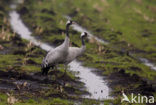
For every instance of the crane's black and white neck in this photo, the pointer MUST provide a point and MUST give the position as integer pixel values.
(83, 35)
(69, 22)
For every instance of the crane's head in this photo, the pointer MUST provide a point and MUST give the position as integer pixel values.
(70, 22)
(84, 34)
(122, 91)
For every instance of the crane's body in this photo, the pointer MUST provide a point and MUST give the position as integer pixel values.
(74, 52)
(63, 54)
(57, 55)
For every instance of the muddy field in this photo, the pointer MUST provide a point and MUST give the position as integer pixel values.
(120, 54)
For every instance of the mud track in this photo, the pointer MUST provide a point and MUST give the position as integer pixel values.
(33, 83)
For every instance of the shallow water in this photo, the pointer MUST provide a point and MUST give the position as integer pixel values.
(148, 63)
(94, 84)
(8, 84)
(30, 84)
(18, 26)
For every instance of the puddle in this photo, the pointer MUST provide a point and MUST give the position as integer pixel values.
(7, 86)
(10, 79)
(30, 84)
(148, 63)
(94, 84)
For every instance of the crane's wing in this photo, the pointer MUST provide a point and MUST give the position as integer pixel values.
(52, 51)
(54, 56)
(45, 61)
(76, 51)
(72, 54)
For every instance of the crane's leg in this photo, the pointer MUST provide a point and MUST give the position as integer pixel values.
(65, 70)
(46, 71)
(43, 71)
(55, 68)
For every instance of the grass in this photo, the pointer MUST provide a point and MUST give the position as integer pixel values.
(127, 25)
(105, 19)
(124, 30)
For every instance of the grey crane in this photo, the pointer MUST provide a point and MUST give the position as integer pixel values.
(74, 52)
(57, 55)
